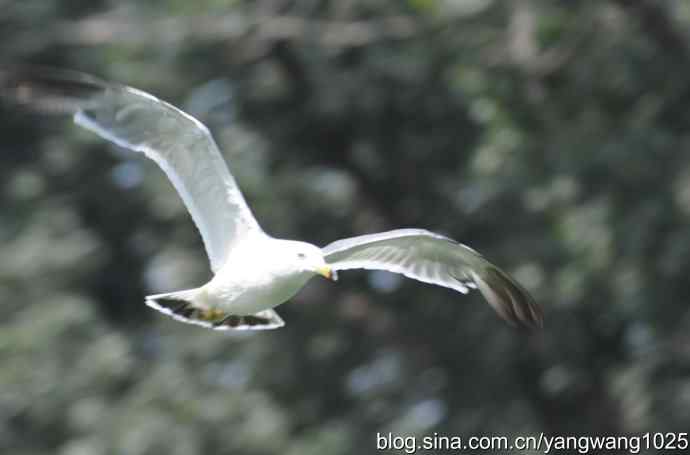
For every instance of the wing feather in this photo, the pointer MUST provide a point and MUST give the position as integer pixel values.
(180, 144)
(436, 259)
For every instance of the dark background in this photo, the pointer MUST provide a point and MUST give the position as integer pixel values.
(552, 136)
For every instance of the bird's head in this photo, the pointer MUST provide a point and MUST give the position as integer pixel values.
(309, 258)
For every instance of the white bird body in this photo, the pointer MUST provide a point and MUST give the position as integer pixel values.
(253, 271)
(248, 283)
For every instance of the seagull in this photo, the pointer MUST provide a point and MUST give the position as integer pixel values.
(253, 271)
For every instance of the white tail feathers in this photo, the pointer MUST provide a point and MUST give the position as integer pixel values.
(179, 305)
(185, 307)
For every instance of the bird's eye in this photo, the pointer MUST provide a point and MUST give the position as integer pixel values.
(301, 255)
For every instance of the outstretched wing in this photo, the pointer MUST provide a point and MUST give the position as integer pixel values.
(180, 144)
(435, 259)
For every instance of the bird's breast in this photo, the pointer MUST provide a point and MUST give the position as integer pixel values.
(242, 292)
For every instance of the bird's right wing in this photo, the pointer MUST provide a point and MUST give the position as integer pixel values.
(436, 259)
(180, 144)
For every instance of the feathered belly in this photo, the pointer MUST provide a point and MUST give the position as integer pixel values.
(244, 297)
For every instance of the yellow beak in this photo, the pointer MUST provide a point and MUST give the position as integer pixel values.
(326, 272)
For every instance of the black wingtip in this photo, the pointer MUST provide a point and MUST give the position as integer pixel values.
(48, 90)
(509, 299)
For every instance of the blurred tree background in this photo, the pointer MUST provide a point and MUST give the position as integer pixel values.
(552, 136)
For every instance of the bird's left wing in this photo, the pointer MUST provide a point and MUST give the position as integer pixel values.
(180, 144)
(435, 259)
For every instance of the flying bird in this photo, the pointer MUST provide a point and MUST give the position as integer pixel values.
(253, 272)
